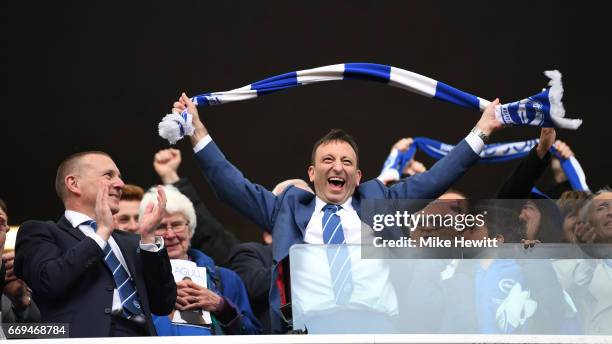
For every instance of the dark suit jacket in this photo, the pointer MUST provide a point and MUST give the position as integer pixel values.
(210, 235)
(71, 283)
(524, 177)
(288, 214)
(252, 261)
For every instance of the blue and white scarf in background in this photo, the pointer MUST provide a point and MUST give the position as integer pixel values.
(544, 109)
(491, 154)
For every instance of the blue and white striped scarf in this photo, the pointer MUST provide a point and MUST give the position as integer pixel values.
(544, 109)
(491, 154)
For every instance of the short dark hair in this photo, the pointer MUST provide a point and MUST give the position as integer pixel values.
(571, 201)
(68, 166)
(132, 193)
(335, 135)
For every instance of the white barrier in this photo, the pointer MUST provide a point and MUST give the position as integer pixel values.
(315, 339)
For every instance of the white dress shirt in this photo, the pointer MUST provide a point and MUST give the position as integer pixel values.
(76, 219)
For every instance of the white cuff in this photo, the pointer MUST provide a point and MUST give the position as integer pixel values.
(475, 142)
(97, 239)
(153, 247)
(203, 142)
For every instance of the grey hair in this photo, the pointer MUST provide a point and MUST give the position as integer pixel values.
(603, 190)
(176, 203)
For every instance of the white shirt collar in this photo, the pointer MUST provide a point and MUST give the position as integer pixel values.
(75, 218)
(347, 205)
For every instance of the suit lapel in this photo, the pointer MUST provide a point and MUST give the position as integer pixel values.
(304, 213)
(356, 203)
(65, 225)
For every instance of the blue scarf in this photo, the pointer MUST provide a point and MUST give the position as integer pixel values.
(491, 154)
(544, 109)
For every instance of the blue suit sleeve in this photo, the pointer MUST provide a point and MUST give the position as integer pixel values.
(229, 184)
(235, 293)
(434, 182)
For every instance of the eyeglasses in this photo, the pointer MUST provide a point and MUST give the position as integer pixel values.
(178, 227)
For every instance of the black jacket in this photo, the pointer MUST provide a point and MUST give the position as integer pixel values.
(71, 284)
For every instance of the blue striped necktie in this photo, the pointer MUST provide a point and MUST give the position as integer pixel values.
(338, 258)
(123, 282)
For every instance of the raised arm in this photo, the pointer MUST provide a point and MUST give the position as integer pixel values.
(524, 177)
(251, 200)
(434, 182)
(210, 235)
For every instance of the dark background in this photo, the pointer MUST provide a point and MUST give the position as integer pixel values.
(100, 75)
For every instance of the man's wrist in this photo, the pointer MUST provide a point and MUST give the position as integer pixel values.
(481, 133)
(170, 178)
(541, 151)
(199, 133)
(103, 232)
(148, 238)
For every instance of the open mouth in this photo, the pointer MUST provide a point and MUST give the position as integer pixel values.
(336, 183)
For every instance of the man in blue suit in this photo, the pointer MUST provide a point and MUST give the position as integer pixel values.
(296, 216)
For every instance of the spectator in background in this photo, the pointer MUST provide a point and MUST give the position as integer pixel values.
(596, 218)
(600, 215)
(561, 183)
(539, 216)
(412, 167)
(253, 262)
(4, 227)
(589, 280)
(126, 218)
(570, 204)
(17, 303)
(210, 235)
(225, 298)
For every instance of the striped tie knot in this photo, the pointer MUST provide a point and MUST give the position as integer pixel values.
(332, 226)
(333, 208)
(91, 223)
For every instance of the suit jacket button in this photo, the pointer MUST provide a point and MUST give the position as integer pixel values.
(107, 310)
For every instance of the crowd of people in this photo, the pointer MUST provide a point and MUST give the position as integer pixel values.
(108, 266)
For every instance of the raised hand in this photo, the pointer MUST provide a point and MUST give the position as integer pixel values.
(8, 258)
(566, 152)
(166, 163)
(403, 144)
(414, 167)
(185, 103)
(152, 216)
(585, 232)
(564, 149)
(102, 210)
(488, 123)
(530, 243)
(547, 138)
